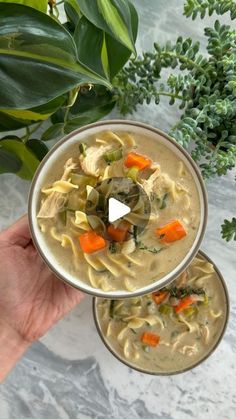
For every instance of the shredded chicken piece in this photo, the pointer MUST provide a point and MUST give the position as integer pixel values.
(149, 185)
(158, 183)
(182, 279)
(93, 163)
(55, 201)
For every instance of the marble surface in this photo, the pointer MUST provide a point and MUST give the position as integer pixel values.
(69, 374)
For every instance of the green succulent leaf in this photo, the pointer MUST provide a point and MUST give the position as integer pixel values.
(38, 59)
(228, 229)
(40, 5)
(16, 147)
(112, 16)
(38, 148)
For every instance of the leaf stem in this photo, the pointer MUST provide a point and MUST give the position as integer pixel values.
(170, 95)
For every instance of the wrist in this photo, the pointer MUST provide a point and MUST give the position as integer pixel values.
(12, 347)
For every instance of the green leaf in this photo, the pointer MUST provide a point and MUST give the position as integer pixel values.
(38, 148)
(15, 146)
(41, 5)
(9, 162)
(13, 119)
(111, 16)
(114, 18)
(53, 132)
(72, 11)
(8, 123)
(89, 42)
(88, 117)
(38, 59)
(117, 61)
(90, 106)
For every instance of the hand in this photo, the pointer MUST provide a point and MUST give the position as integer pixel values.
(32, 298)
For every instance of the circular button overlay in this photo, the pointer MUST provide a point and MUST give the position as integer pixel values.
(118, 201)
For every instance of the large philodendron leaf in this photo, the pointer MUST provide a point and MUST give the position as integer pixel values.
(72, 11)
(117, 53)
(12, 119)
(15, 147)
(102, 52)
(90, 43)
(41, 5)
(90, 106)
(112, 16)
(38, 59)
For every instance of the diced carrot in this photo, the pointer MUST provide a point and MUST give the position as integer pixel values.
(91, 242)
(184, 303)
(118, 234)
(171, 232)
(137, 160)
(159, 296)
(150, 339)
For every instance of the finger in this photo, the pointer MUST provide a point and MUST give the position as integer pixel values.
(18, 233)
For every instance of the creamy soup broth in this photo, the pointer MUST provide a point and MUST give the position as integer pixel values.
(124, 266)
(184, 338)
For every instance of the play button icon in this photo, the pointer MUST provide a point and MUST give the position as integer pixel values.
(116, 210)
(115, 200)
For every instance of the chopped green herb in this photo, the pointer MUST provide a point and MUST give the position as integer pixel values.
(111, 308)
(142, 246)
(82, 149)
(164, 201)
(184, 291)
(112, 247)
(101, 203)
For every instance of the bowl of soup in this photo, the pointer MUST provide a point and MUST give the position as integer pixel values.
(91, 175)
(172, 330)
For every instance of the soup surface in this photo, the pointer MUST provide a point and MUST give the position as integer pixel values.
(110, 256)
(172, 329)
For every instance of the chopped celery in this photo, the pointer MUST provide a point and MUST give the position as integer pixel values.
(82, 180)
(206, 300)
(113, 155)
(165, 309)
(63, 217)
(132, 173)
(82, 149)
(64, 214)
(190, 311)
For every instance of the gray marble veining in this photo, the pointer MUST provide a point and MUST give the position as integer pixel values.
(69, 374)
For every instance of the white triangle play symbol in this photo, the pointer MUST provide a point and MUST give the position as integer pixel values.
(116, 210)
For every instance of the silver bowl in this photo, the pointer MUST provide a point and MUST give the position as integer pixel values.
(60, 152)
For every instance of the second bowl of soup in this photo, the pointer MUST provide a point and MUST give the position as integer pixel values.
(127, 164)
(172, 330)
